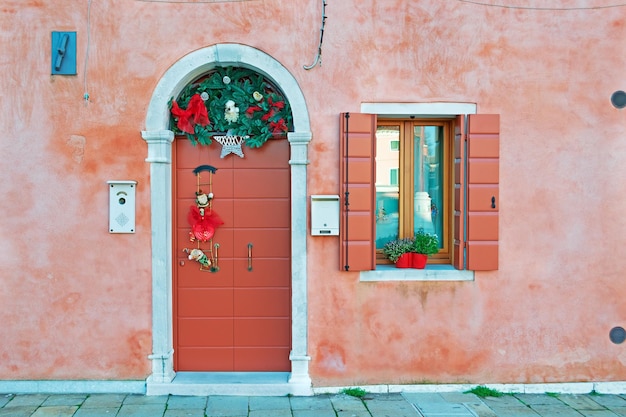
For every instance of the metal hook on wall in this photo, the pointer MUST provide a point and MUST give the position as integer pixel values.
(318, 57)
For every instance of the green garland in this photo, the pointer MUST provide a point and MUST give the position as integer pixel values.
(238, 101)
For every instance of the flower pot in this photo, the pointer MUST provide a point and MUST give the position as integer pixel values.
(418, 260)
(404, 261)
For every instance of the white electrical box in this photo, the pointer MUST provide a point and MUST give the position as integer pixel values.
(324, 215)
(122, 206)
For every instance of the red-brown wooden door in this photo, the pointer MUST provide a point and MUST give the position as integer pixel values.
(238, 318)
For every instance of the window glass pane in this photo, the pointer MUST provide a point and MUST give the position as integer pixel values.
(428, 179)
(387, 191)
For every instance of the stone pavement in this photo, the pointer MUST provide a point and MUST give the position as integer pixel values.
(326, 405)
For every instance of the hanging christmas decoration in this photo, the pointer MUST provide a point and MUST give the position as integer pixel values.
(231, 144)
(203, 221)
(231, 102)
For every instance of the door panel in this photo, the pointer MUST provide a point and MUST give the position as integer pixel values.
(260, 359)
(236, 318)
(261, 302)
(265, 273)
(206, 302)
(253, 183)
(205, 332)
(271, 213)
(215, 359)
(255, 332)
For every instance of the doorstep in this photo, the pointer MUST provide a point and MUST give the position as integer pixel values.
(225, 383)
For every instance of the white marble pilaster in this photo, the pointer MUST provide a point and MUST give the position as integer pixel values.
(160, 159)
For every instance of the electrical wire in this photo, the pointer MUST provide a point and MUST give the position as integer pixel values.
(86, 94)
(503, 6)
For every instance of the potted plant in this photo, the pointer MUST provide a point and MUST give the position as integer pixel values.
(398, 251)
(424, 244)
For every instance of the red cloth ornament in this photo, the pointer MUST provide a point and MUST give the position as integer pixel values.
(203, 227)
(278, 127)
(196, 113)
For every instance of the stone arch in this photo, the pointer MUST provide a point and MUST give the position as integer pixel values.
(159, 140)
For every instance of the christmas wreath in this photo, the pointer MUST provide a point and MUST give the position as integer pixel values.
(230, 101)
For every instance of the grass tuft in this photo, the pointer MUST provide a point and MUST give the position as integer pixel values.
(483, 391)
(354, 392)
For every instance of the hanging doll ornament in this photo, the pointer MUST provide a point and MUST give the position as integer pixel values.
(203, 221)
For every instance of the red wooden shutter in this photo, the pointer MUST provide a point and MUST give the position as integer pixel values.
(483, 200)
(459, 193)
(357, 231)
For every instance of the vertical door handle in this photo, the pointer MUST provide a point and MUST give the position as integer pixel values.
(493, 201)
(249, 256)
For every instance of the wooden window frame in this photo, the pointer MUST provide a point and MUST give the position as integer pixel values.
(406, 187)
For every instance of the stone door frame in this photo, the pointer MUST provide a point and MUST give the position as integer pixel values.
(159, 140)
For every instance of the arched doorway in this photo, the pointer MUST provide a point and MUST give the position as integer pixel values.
(159, 139)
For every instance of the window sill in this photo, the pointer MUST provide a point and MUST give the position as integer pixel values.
(431, 273)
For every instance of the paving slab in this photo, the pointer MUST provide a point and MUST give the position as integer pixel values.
(555, 410)
(426, 397)
(317, 402)
(354, 413)
(27, 400)
(104, 401)
(538, 399)
(184, 413)
(135, 399)
(347, 403)
(147, 410)
(64, 400)
(180, 402)
(580, 402)
(460, 397)
(318, 412)
(515, 411)
(56, 411)
(270, 413)
(268, 403)
(393, 404)
(443, 409)
(597, 413)
(225, 406)
(609, 400)
(96, 412)
(481, 409)
(620, 411)
(18, 411)
(5, 399)
(503, 401)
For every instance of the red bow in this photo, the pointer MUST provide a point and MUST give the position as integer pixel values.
(195, 113)
(278, 127)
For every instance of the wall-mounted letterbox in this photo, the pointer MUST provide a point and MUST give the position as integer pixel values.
(122, 206)
(324, 215)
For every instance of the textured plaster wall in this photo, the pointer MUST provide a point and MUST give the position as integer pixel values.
(75, 300)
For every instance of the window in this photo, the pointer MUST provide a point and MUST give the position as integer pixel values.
(417, 193)
(447, 183)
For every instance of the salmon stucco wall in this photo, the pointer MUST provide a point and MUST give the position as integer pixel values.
(75, 301)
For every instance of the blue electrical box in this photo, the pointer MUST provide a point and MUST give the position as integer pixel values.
(63, 53)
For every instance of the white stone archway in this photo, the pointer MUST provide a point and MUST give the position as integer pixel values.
(159, 139)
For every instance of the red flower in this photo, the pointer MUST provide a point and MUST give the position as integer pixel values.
(195, 113)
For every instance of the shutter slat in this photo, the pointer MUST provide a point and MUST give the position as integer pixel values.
(357, 229)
